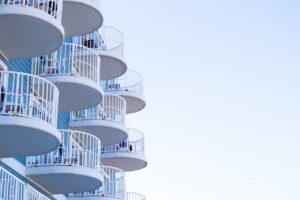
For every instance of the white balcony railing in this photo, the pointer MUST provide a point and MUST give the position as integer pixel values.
(3, 66)
(134, 196)
(113, 186)
(27, 95)
(69, 59)
(133, 144)
(108, 40)
(112, 108)
(131, 81)
(12, 188)
(77, 149)
(51, 7)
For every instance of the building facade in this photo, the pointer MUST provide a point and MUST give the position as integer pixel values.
(66, 90)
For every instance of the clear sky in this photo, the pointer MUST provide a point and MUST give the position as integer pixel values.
(223, 96)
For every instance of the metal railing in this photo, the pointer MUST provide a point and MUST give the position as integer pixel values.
(112, 108)
(3, 66)
(133, 144)
(108, 40)
(27, 95)
(77, 149)
(51, 7)
(12, 188)
(134, 196)
(131, 81)
(70, 59)
(113, 186)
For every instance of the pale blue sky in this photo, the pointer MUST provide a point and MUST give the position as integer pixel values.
(222, 87)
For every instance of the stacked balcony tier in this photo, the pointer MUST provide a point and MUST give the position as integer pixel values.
(129, 86)
(73, 167)
(108, 42)
(134, 196)
(113, 187)
(28, 115)
(30, 27)
(12, 188)
(75, 70)
(128, 155)
(81, 16)
(106, 121)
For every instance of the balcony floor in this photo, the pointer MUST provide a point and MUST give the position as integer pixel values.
(134, 102)
(23, 27)
(74, 91)
(111, 66)
(90, 18)
(108, 132)
(126, 161)
(22, 136)
(65, 179)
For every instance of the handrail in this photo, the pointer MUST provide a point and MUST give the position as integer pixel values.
(112, 108)
(134, 196)
(131, 81)
(3, 66)
(133, 144)
(77, 149)
(27, 95)
(13, 188)
(70, 59)
(113, 186)
(108, 40)
(51, 7)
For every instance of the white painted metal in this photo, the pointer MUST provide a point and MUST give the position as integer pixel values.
(112, 188)
(134, 196)
(75, 70)
(106, 121)
(109, 43)
(128, 155)
(3, 66)
(12, 188)
(73, 167)
(81, 16)
(129, 86)
(28, 111)
(30, 23)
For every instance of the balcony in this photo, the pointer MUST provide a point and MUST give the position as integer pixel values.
(12, 188)
(81, 16)
(75, 70)
(108, 42)
(127, 155)
(113, 187)
(28, 115)
(134, 196)
(30, 23)
(73, 167)
(129, 86)
(106, 121)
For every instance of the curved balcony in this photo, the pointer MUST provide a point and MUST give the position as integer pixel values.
(113, 187)
(11, 187)
(90, 18)
(30, 23)
(127, 155)
(129, 86)
(73, 167)
(109, 44)
(74, 69)
(105, 121)
(28, 115)
(134, 196)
